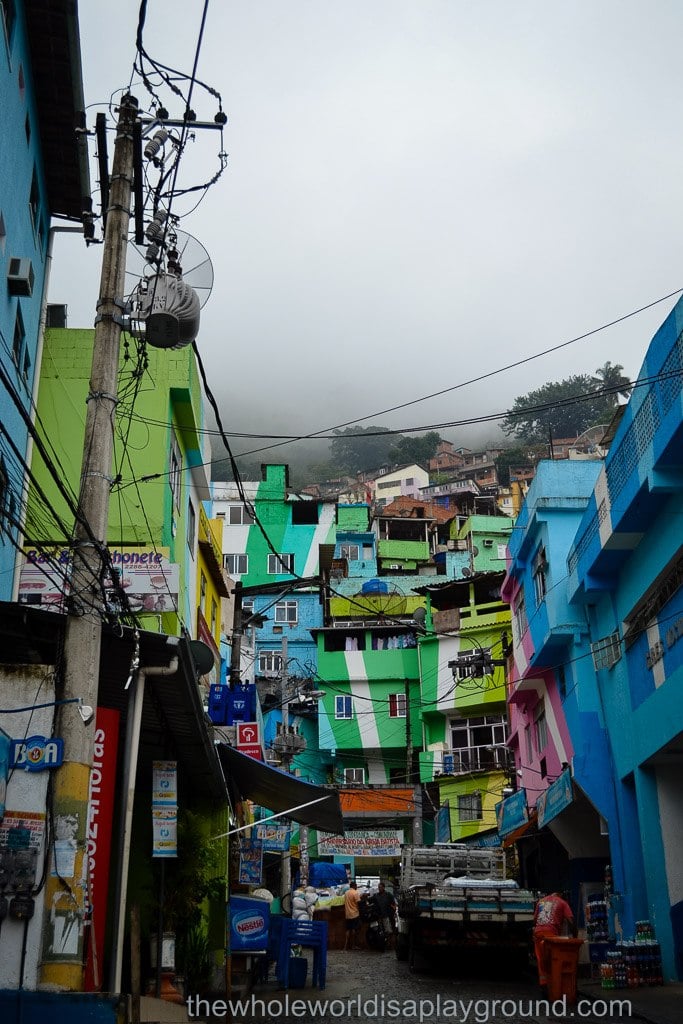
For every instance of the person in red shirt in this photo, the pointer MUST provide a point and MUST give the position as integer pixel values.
(550, 916)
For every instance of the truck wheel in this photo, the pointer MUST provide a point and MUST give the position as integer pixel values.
(402, 947)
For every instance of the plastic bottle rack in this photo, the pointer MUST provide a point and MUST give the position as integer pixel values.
(633, 964)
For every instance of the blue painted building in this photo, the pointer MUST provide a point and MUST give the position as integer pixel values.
(626, 568)
(43, 174)
(553, 699)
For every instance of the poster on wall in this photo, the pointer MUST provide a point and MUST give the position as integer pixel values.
(251, 862)
(164, 809)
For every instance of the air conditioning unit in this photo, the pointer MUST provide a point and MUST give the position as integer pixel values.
(20, 277)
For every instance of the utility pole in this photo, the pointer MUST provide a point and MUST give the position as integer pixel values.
(286, 862)
(67, 878)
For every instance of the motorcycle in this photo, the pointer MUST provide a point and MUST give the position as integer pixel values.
(375, 934)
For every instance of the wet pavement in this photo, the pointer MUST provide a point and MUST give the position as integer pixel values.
(375, 987)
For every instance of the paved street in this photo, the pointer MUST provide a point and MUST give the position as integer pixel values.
(376, 987)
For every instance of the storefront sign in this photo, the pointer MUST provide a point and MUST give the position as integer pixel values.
(147, 576)
(659, 649)
(164, 809)
(556, 798)
(359, 843)
(512, 813)
(249, 739)
(272, 837)
(36, 753)
(99, 835)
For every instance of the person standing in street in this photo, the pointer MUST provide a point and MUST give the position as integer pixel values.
(551, 915)
(386, 905)
(352, 900)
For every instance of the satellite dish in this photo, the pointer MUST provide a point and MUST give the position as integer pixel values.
(466, 571)
(419, 616)
(196, 269)
(202, 655)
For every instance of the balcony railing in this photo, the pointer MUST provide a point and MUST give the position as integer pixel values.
(477, 759)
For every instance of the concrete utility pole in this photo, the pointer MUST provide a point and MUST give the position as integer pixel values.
(66, 888)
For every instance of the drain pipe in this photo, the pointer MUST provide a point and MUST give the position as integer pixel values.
(132, 746)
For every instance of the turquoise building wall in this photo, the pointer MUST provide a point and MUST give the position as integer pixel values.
(22, 237)
(625, 568)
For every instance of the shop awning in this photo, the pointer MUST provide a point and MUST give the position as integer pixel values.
(280, 792)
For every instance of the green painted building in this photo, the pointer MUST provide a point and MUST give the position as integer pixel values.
(369, 718)
(486, 539)
(159, 474)
(463, 708)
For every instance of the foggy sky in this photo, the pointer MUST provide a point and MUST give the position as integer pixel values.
(417, 192)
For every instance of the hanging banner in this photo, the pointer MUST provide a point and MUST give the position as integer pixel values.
(164, 809)
(512, 813)
(273, 838)
(99, 838)
(361, 843)
(556, 797)
(251, 862)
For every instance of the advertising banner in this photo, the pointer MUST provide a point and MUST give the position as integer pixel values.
(273, 838)
(149, 579)
(251, 862)
(512, 813)
(99, 838)
(164, 809)
(362, 843)
(556, 797)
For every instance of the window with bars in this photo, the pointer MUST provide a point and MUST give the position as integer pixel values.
(541, 727)
(18, 340)
(483, 731)
(540, 567)
(191, 526)
(269, 663)
(354, 776)
(175, 471)
(287, 611)
(469, 807)
(236, 565)
(280, 563)
(520, 619)
(349, 551)
(606, 652)
(397, 705)
(343, 707)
